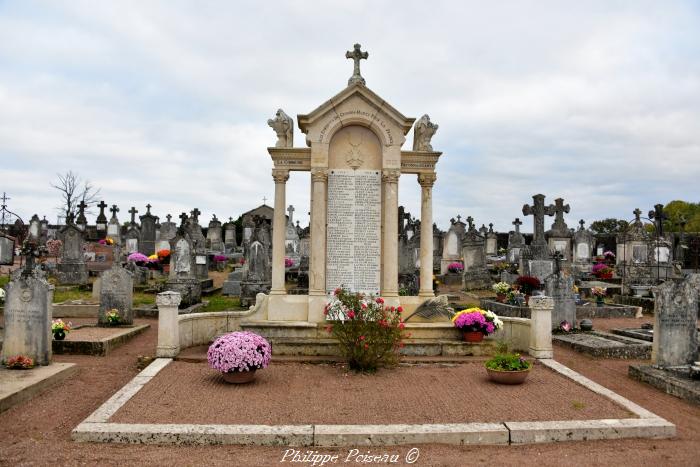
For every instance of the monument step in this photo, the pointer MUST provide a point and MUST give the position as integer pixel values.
(417, 331)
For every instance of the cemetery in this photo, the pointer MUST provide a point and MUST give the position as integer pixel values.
(137, 333)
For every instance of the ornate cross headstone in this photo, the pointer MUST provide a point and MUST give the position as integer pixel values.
(470, 221)
(101, 216)
(356, 55)
(559, 209)
(114, 210)
(81, 213)
(517, 223)
(538, 210)
(291, 210)
(637, 215)
(581, 223)
(195, 215)
(658, 216)
(133, 212)
(183, 219)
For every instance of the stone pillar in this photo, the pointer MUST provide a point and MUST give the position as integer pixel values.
(426, 234)
(541, 308)
(390, 263)
(317, 267)
(279, 227)
(168, 327)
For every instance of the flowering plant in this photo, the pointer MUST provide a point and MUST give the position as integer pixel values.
(137, 257)
(369, 331)
(601, 269)
(19, 362)
(219, 258)
(565, 326)
(109, 241)
(528, 284)
(477, 320)
(153, 258)
(163, 254)
(609, 254)
(239, 351)
(508, 362)
(288, 262)
(102, 241)
(599, 291)
(113, 316)
(59, 325)
(455, 267)
(54, 247)
(501, 287)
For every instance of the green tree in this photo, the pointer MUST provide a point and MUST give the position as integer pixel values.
(609, 226)
(678, 211)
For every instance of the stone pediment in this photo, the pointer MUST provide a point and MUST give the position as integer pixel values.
(355, 105)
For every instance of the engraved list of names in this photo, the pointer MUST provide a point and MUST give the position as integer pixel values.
(354, 230)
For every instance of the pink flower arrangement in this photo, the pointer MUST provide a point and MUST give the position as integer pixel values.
(137, 258)
(219, 258)
(239, 351)
(477, 320)
(455, 267)
(288, 262)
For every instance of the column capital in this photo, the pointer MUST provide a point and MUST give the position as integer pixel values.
(427, 180)
(391, 175)
(319, 175)
(280, 175)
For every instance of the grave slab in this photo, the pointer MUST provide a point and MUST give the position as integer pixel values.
(94, 340)
(605, 345)
(671, 382)
(17, 386)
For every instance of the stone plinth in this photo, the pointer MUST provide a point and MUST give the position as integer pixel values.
(168, 327)
(541, 327)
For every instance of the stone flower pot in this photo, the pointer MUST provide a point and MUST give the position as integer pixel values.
(239, 377)
(508, 377)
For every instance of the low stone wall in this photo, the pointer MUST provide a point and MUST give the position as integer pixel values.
(516, 332)
(504, 309)
(589, 310)
(647, 304)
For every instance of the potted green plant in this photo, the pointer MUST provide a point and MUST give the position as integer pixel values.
(59, 329)
(508, 368)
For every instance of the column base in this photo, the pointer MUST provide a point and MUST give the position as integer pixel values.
(278, 292)
(426, 294)
(541, 353)
(167, 351)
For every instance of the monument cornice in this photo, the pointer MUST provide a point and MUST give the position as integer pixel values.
(418, 162)
(298, 159)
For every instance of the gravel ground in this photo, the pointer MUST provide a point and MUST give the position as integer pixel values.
(38, 432)
(194, 393)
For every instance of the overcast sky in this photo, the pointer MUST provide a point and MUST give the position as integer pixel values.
(166, 102)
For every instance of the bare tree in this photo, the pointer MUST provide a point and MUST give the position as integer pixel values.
(73, 190)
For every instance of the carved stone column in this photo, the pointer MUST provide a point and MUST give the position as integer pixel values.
(279, 227)
(426, 182)
(168, 327)
(541, 308)
(317, 263)
(390, 283)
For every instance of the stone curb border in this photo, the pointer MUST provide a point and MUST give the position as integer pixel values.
(96, 427)
(100, 347)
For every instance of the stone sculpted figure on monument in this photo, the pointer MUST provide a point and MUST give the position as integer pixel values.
(423, 132)
(284, 128)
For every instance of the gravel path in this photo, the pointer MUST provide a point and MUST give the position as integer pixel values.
(38, 432)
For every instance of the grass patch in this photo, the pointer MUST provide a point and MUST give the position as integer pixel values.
(71, 294)
(221, 303)
(142, 299)
(4, 280)
(578, 405)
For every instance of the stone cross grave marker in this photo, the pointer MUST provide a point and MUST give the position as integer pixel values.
(356, 55)
(538, 210)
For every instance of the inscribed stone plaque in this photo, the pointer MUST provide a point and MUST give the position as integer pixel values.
(560, 245)
(582, 251)
(116, 292)
(354, 230)
(675, 322)
(452, 244)
(132, 245)
(639, 253)
(113, 229)
(661, 254)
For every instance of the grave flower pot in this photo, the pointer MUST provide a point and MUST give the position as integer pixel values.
(508, 377)
(239, 377)
(599, 302)
(501, 297)
(59, 335)
(473, 336)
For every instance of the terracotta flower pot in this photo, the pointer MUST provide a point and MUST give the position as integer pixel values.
(59, 335)
(508, 377)
(239, 377)
(501, 297)
(473, 336)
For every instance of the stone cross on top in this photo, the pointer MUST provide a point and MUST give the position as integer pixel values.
(114, 210)
(195, 215)
(133, 212)
(81, 212)
(102, 207)
(291, 210)
(581, 223)
(517, 223)
(168, 217)
(659, 216)
(538, 210)
(491, 227)
(356, 55)
(470, 221)
(559, 209)
(637, 216)
(148, 209)
(183, 219)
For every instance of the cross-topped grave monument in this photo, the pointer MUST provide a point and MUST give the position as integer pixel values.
(133, 211)
(538, 210)
(356, 55)
(658, 216)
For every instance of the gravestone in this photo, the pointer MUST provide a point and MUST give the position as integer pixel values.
(7, 249)
(491, 242)
(72, 269)
(168, 230)
(35, 228)
(536, 258)
(182, 277)
(633, 254)
(230, 243)
(560, 286)
(199, 244)
(116, 292)
(452, 244)
(675, 322)
(259, 276)
(101, 221)
(147, 244)
(516, 242)
(215, 240)
(28, 310)
(81, 221)
(559, 236)
(132, 239)
(475, 275)
(583, 248)
(232, 285)
(113, 227)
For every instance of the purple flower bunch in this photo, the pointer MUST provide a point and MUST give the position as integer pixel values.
(455, 267)
(474, 321)
(220, 258)
(598, 267)
(137, 257)
(239, 351)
